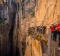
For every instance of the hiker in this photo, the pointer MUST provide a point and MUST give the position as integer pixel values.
(55, 33)
(58, 30)
(52, 30)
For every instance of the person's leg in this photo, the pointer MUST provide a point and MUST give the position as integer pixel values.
(55, 38)
(52, 35)
(55, 35)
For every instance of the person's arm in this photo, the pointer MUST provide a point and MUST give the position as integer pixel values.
(57, 27)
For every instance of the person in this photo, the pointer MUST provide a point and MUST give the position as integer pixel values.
(58, 30)
(52, 29)
(54, 33)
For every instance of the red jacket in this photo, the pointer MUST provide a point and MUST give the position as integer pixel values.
(51, 28)
(58, 27)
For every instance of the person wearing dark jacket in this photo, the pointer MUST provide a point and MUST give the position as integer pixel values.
(58, 30)
(55, 33)
(52, 30)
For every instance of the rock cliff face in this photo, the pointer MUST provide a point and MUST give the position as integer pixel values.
(13, 33)
(31, 13)
(47, 12)
(22, 24)
(4, 40)
(6, 31)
